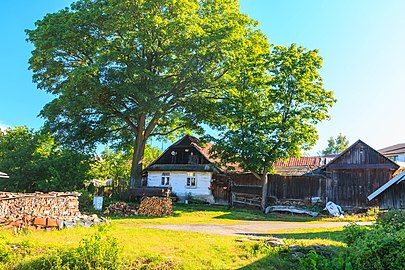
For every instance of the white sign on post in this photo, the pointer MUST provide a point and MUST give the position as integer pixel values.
(98, 203)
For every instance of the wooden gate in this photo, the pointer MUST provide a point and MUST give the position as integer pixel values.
(220, 187)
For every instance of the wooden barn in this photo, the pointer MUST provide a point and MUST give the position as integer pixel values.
(346, 179)
(391, 195)
(355, 173)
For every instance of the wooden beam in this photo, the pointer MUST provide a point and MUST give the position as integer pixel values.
(360, 166)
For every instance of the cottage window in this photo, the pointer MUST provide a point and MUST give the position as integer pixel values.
(191, 180)
(165, 179)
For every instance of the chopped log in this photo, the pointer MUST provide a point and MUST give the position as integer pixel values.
(121, 208)
(291, 209)
(156, 207)
(42, 210)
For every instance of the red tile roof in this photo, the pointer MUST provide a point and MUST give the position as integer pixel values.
(303, 161)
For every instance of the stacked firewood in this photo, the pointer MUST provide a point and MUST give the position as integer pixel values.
(156, 207)
(121, 208)
(43, 210)
(39, 204)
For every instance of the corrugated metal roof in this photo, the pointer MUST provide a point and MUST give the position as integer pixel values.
(396, 180)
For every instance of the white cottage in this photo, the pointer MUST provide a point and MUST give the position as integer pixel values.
(186, 168)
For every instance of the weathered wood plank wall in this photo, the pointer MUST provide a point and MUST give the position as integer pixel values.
(297, 187)
(393, 197)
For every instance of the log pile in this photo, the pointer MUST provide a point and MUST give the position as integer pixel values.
(156, 207)
(43, 210)
(121, 208)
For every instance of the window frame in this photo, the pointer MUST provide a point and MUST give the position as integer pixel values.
(165, 179)
(191, 178)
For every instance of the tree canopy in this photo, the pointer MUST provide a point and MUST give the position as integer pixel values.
(125, 71)
(36, 162)
(336, 146)
(273, 114)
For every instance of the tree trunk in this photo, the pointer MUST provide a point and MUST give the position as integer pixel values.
(265, 180)
(136, 169)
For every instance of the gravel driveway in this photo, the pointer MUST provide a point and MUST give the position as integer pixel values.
(257, 228)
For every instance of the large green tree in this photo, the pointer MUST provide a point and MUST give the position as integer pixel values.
(336, 146)
(36, 162)
(125, 71)
(273, 114)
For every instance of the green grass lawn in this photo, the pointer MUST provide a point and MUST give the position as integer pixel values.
(142, 248)
(203, 214)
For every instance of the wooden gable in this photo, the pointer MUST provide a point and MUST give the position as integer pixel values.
(361, 156)
(185, 151)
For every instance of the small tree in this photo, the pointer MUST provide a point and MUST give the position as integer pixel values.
(273, 114)
(336, 146)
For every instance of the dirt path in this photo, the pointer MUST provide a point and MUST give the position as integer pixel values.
(257, 228)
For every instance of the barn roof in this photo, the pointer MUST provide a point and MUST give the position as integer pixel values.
(393, 149)
(396, 180)
(386, 162)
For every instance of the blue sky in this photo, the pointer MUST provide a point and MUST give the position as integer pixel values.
(362, 44)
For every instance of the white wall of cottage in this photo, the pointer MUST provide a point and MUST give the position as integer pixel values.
(178, 182)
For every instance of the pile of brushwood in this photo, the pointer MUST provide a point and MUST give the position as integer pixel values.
(122, 209)
(150, 206)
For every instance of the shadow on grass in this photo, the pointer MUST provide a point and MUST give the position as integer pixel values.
(252, 215)
(283, 258)
(242, 214)
(329, 235)
(227, 213)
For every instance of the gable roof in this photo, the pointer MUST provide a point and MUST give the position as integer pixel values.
(396, 180)
(186, 142)
(387, 162)
(393, 149)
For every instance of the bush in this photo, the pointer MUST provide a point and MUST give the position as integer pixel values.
(380, 247)
(95, 252)
(315, 261)
(392, 221)
(353, 231)
(85, 201)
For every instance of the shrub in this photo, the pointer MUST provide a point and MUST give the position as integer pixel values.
(315, 261)
(95, 252)
(380, 247)
(392, 221)
(353, 231)
(85, 201)
(98, 252)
